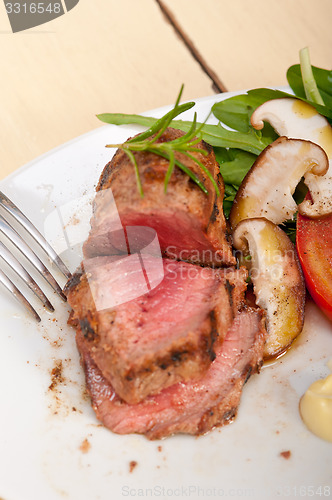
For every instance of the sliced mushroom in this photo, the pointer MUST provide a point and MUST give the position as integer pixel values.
(267, 189)
(296, 119)
(277, 280)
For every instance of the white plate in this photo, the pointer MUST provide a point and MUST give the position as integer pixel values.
(52, 446)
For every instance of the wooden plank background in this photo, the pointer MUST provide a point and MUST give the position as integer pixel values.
(133, 55)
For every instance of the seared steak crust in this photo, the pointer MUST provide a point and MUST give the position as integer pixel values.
(162, 337)
(190, 224)
(192, 407)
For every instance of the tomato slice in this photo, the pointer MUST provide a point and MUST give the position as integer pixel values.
(314, 247)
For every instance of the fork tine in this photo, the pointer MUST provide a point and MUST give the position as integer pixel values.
(9, 258)
(18, 295)
(15, 212)
(14, 237)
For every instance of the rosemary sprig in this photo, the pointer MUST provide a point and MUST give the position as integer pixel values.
(186, 144)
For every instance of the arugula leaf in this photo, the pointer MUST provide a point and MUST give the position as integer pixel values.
(276, 94)
(227, 206)
(215, 135)
(236, 111)
(289, 226)
(234, 164)
(230, 191)
(244, 105)
(323, 79)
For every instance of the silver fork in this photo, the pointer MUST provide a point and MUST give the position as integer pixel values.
(7, 256)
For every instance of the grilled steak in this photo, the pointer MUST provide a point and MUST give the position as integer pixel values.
(193, 407)
(144, 343)
(165, 337)
(190, 224)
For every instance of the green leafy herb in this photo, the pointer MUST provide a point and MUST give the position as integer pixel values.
(223, 108)
(234, 164)
(236, 112)
(289, 226)
(215, 135)
(323, 80)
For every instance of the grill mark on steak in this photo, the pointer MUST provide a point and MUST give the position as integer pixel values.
(215, 213)
(247, 372)
(229, 415)
(170, 361)
(175, 358)
(73, 280)
(87, 330)
(217, 417)
(213, 335)
(230, 288)
(104, 175)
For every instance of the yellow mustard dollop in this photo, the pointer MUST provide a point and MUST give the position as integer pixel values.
(316, 408)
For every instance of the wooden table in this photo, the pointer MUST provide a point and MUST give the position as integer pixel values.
(133, 55)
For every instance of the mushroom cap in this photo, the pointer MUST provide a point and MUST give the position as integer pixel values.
(267, 189)
(294, 118)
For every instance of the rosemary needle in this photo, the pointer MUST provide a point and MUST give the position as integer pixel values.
(186, 144)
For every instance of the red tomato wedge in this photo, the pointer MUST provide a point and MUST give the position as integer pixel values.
(314, 247)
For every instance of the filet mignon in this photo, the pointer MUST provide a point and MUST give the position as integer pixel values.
(166, 341)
